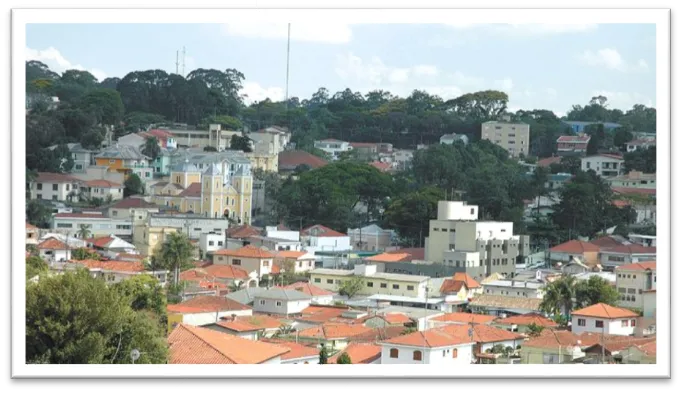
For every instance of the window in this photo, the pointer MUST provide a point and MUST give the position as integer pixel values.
(220, 243)
(417, 355)
(394, 353)
(64, 225)
(39, 186)
(621, 290)
(634, 276)
(454, 353)
(633, 299)
(410, 287)
(112, 161)
(581, 322)
(266, 263)
(633, 322)
(210, 243)
(550, 359)
(383, 285)
(640, 291)
(262, 302)
(599, 324)
(624, 323)
(237, 262)
(330, 281)
(396, 286)
(317, 280)
(279, 304)
(632, 290)
(436, 229)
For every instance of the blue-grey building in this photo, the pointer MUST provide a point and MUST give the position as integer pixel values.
(579, 126)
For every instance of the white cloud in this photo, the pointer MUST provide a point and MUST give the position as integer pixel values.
(623, 100)
(399, 75)
(254, 92)
(333, 33)
(466, 80)
(375, 72)
(525, 29)
(426, 70)
(612, 60)
(58, 63)
(505, 84)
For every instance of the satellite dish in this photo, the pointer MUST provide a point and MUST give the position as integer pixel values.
(134, 354)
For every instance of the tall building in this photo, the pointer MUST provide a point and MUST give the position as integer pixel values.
(512, 137)
(479, 248)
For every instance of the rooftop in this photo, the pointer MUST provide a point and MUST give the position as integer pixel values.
(308, 289)
(48, 177)
(506, 302)
(282, 294)
(575, 247)
(431, 338)
(242, 231)
(246, 252)
(601, 310)
(466, 318)
(290, 159)
(527, 319)
(136, 203)
(390, 257)
(204, 304)
(359, 353)
(124, 152)
(333, 331)
(639, 266)
(321, 231)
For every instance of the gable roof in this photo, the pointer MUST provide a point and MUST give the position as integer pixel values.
(203, 304)
(359, 353)
(417, 253)
(482, 333)
(196, 345)
(242, 231)
(395, 318)
(606, 241)
(506, 302)
(545, 162)
(52, 244)
(382, 166)
(136, 203)
(553, 339)
(629, 249)
(112, 266)
(575, 247)
(282, 294)
(293, 254)
(638, 266)
(193, 191)
(527, 319)
(290, 159)
(431, 338)
(602, 310)
(49, 177)
(246, 252)
(455, 283)
(332, 331)
(308, 289)
(320, 231)
(390, 257)
(102, 184)
(463, 317)
(321, 314)
(226, 271)
(296, 350)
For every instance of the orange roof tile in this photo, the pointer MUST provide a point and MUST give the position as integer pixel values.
(386, 257)
(396, 318)
(527, 319)
(649, 349)
(275, 269)
(30, 226)
(296, 350)
(629, 249)
(606, 241)
(626, 342)
(378, 334)
(575, 247)
(242, 231)
(226, 272)
(100, 241)
(551, 339)
(463, 317)
(467, 279)
(320, 314)
(264, 321)
(601, 310)
(102, 184)
(432, 338)
(239, 326)
(202, 304)
(113, 266)
(332, 331)
(308, 288)
(482, 333)
(53, 244)
(195, 275)
(50, 177)
(359, 353)
(246, 252)
(416, 253)
(321, 231)
(196, 345)
(193, 191)
(291, 254)
(638, 266)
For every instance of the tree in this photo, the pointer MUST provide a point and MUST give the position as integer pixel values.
(535, 330)
(351, 286)
(38, 214)
(344, 358)
(133, 186)
(84, 231)
(559, 295)
(595, 290)
(151, 148)
(242, 143)
(175, 253)
(621, 137)
(324, 356)
(93, 139)
(104, 104)
(74, 318)
(144, 293)
(284, 330)
(643, 160)
(82, 253)
(408, 331)
(35, 266)
(236, 285)
(410, 214)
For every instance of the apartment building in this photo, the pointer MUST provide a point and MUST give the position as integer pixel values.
(572, 145)
(249, 258)
(97, 223)
(512, 137)
(605, 165)
(374, 283)
(55, 187)
(633, 281)
(333, 147)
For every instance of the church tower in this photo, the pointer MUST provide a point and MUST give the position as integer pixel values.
(212, 191)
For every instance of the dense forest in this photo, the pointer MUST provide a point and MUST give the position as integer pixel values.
(89, 108)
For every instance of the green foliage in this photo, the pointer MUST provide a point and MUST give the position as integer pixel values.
(595, 290)
(83, 253)
(643, 160)
(84, 231)
(344, 358)
(38, 214)
(242, 143)
(175, 254)
(210, 148)
(77, 319)
(236, 286)
(133, 186)
(352, 286)
(138, 121)
(410, 214)
(144, 293)
(35, 266)
(151, 148)
(408, 331)
(104, 104)
(226, 122)
(621, 137)
(559, 295)
(324, 356)
(535, 330)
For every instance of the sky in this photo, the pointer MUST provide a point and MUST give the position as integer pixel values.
(540, 66)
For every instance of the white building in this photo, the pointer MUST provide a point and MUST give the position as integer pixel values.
(625, 254)
(210, 242)
(512, 288)
(102, 189)
(644, 240)
(281, 232)
(633, 280)
(634, 179)
(274, 244)
(204, 310)
(333, 147)
(433, 346)
(371, 238)
(271, 140)
(97, 223)
(55, 187)
(638, 144)
(53, 250)
(605, 165)
(320, 238)
(602, 318)
(191, 224)
(281, 301)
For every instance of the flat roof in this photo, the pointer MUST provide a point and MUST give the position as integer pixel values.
(407, 299)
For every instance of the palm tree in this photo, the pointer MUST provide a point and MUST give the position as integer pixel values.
(175, 252)
(151, 148)
(236, 286)
(84, 231)
(284, 330)
(559, 295)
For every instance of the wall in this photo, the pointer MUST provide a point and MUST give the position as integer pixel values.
(98, 226)
(289, 235)
(603, 166)
(512, 137)
(315, 244)
(284, 308)
(196, 225)
(417, 291)
(612, 259)
(613, 326)
(633, 283)
(532, 355)
(55, 255)
(260, 266)
(200, 319)
(432, 355)
(48, 193)
(516, 291)
(649, 304)
(209, 242)
(146, 239)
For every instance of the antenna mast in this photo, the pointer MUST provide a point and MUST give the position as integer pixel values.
(183, 61)
(287, 83)
(177, 61)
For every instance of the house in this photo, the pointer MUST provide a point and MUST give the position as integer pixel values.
(166, 139)
(633, 280)
(639, 354)
(449, 139)
(53, 250)
(32, 233)
(116, 271)
(82, 158)
(520, 323)
(102, 189)
(365, 151)
(486, 338)
(245, 296)
(613, 257)
(318, 295)
(127, 160)
(230, 274)
(382, 166)
(572, 145)
(333, 147)
(298, 353)
(334, 336)
(134, 209)
(250, 327)
(241, 233)
(162, 163)
(382, 260)
(211, 242)
(460, 318)
(512, 137)
(514, 288)
(290, 160)
(54, 187)
(462, 286)
(198, 280)
(634, 179)
(281, 301)
(147, 239)
(587, 253)
(502, 305)
(302, 261)
(602, 318)
(616, 351)
(273, 243)
(359, 353)
(638, 144)
(204, 310)
(188, 344)
(372, 238)
(386, 320)
(320, 238)
(575, 266)
(551, 347)
(374, 283)
(249, 258)
(110, 245)
(604, 164)
(433, 346)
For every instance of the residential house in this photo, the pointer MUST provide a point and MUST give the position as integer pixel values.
(291, 160)
(460, 318)
(189, 344)
(317, 314)
(249, 258)
(613, 257)
(147, 239)
(365, 151)
(514, 288)
(196, 282)
(433, 346)
(512, 137)
(611, 352)
(374, 283)
(487, 338)
(166, 139)
(298, 353)
(230, 274)
(317, 294)
(193, 225)
(605, 319)
(521, 323)
(551, 347)
(502, 305)
(54, 187)
(320, 238)
(135, 139)
(302, 261)
(572, 145)
(639, 354)
(385, 259)
(134, 209)
(32, 233)
(271, 140)
(102, 189)
(281, 301)
(82, 157)
(127, 160)
(645, 240)
(53, 250)
(575, 266)
(587, 253)
(215, 137)
(604, 164)
(372, 238)
(250, 327)
(633, 280)
(580, 126)
(211, 242)
(359, 353)
(638, 144)
(273, 244)
(449, 139)
(462, 286)
(247, 295)
(110, 245)
(634, 179)
(162, 163)
(383, 321)
(333, 147)
(115, 271)
(334, 336)
(204, 310)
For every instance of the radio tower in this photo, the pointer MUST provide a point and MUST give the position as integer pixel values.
(177, 61)
(183, 61)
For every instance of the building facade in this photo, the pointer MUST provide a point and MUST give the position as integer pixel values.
(633, 281)
(605, 165)
(333, 147)
(512, 137)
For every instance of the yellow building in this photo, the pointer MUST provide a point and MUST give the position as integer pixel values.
(374, 283)
(264, 161)
(146, 239)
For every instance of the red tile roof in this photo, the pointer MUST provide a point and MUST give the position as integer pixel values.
(160, 133)
(246, 252)
(638, 266)
(193, 191)
(102, 184)
(48, 177)
(638, 191)
(463, 317)
(417, 253)
(203, 304)
(379, 334)
(292, 254)
(553, 339)
(196, 345)
(242, 231)
(390, 257)
(395, 318)
(333, 331)
(620, 203)
(308, 288)
(573, 138)
(527, 319)
(101, 242)
(31, 227)
(52, 244)
(382, 166)
(431, 338)
(482, 333)
(136, 203)
(260, 321)
(359, 353)
(649, 349)
(113, 266)
(629, 249)
(606, 241)
(321, 314)
(290, 159)
(575, 247)
(321, 231)
(601, 310)
(545, 162)
(296, 350)
(226, 272)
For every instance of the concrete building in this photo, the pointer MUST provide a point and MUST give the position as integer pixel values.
(147, 239)
(210, 242)
(274, 244)
(644, 240)
(215, 137)
(605, 165)
(333, 147)
(102, 189)
(135, 209)
(572, 145)
(512, 288)
(126, 160)
(82, 157)
(320, 238)
(270, 140)
(374, 283)
(433, 346)
(616, 256)
(512, 137)
(604, 319)
(478, 248)
(282, 232)
(634, 179)
(372, 238)
(633, 280)
(250, 258)
(191, 224)
(97, 223)
(281, 301)
(449, 139)
(54, 187)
